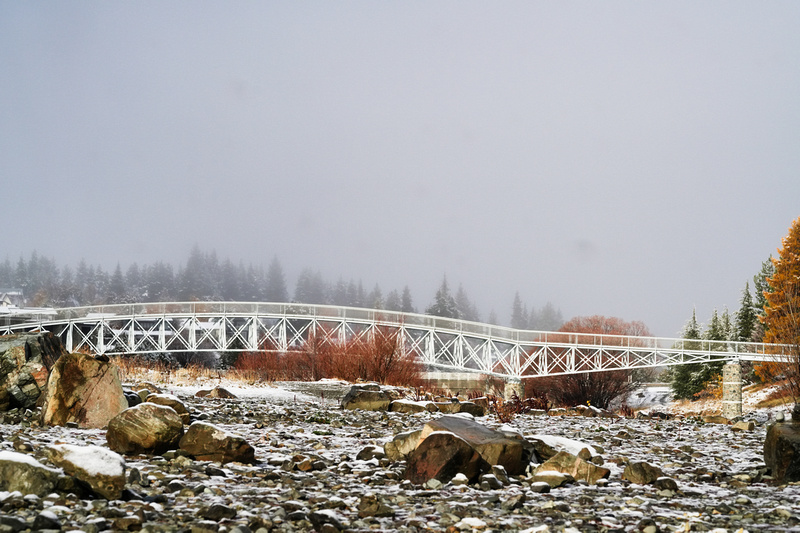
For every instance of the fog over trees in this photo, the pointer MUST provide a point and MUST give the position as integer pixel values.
(206, 277)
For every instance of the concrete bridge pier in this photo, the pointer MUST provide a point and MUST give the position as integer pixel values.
(513, 386)
(732, 390)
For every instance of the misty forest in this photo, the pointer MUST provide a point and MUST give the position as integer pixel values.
(205, 277)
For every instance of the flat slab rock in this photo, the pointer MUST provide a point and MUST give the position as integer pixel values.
(456, 444)
(509, 450)
(207, 442)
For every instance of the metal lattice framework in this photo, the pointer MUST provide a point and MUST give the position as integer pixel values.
(442, 343)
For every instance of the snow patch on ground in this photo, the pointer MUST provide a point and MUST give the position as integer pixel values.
(270, 393)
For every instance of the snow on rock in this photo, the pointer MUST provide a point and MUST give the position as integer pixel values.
(720, 478)
(563, 444)
(101, 468)
(23, 473)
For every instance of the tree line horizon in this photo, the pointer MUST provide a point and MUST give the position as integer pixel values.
(204, 277)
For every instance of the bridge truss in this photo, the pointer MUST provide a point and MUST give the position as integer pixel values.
(441, 343)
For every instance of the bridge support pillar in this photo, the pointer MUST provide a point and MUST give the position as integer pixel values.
(512, 388)
(732, 390)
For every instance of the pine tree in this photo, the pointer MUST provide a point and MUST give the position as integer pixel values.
(466, 309)
(681, 376)
(519, 318)
(375, 298)
(393, 302)
(443, 304)
(276, 290)
(762, 286)
(134, 284)
(311, 288)
(116, 287)
(550, 318)
(407, 304)
(746, 318)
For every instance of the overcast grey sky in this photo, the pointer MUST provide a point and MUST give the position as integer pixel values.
(632, 159)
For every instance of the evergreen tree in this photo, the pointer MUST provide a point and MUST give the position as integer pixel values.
(339, 295)
(466, 309)
(375, 298)
(134, 284)
(550, 318)
(762, 286)
(6, 274)
(276, 290)
(21, 280)
(688, 380)
(443, 303)
(192, 279)
(160, 283)
(116, 287)
(746, 318)
(681, 376)
(311, 288)
(407, 304)
(393, 302)
(519, 315)
(232, 281)
(68, 294)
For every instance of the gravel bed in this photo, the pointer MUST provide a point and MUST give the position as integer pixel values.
(308, 477)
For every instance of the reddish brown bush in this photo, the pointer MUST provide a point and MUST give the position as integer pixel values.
(376, 355)
(595, 388)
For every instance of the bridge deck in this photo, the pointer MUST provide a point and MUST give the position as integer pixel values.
(438, 342)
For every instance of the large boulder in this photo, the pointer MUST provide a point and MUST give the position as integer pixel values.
(411, 406)
(170, 400)
(642, 473)
(456, 444)
(369, 397)
(508, 450)
(24, 473)
(576, 467)
(25, 362)
(147, 428)
(207, 442)
(84, 390)
(216, 392)
(401, 445)
(782, 451)
(442, 455)
(100, 468)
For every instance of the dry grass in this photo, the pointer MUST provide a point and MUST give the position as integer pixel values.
(775, 395)
(135, 370)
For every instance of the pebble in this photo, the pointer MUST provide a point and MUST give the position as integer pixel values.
(322, 468)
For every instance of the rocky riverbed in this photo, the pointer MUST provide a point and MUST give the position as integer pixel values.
(310, 475)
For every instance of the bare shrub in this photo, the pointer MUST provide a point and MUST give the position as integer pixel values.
(378, 355)
(594, 388)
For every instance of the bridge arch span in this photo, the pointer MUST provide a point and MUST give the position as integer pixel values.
(442, 343)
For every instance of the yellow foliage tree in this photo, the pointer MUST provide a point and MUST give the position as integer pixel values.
(782, 314)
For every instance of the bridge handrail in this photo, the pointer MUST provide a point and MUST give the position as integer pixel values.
(407, 320)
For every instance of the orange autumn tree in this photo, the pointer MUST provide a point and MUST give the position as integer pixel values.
(782, 313)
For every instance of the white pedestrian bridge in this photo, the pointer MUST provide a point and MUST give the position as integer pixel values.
(440, 343)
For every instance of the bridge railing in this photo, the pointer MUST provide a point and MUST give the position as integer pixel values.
(502, 334)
